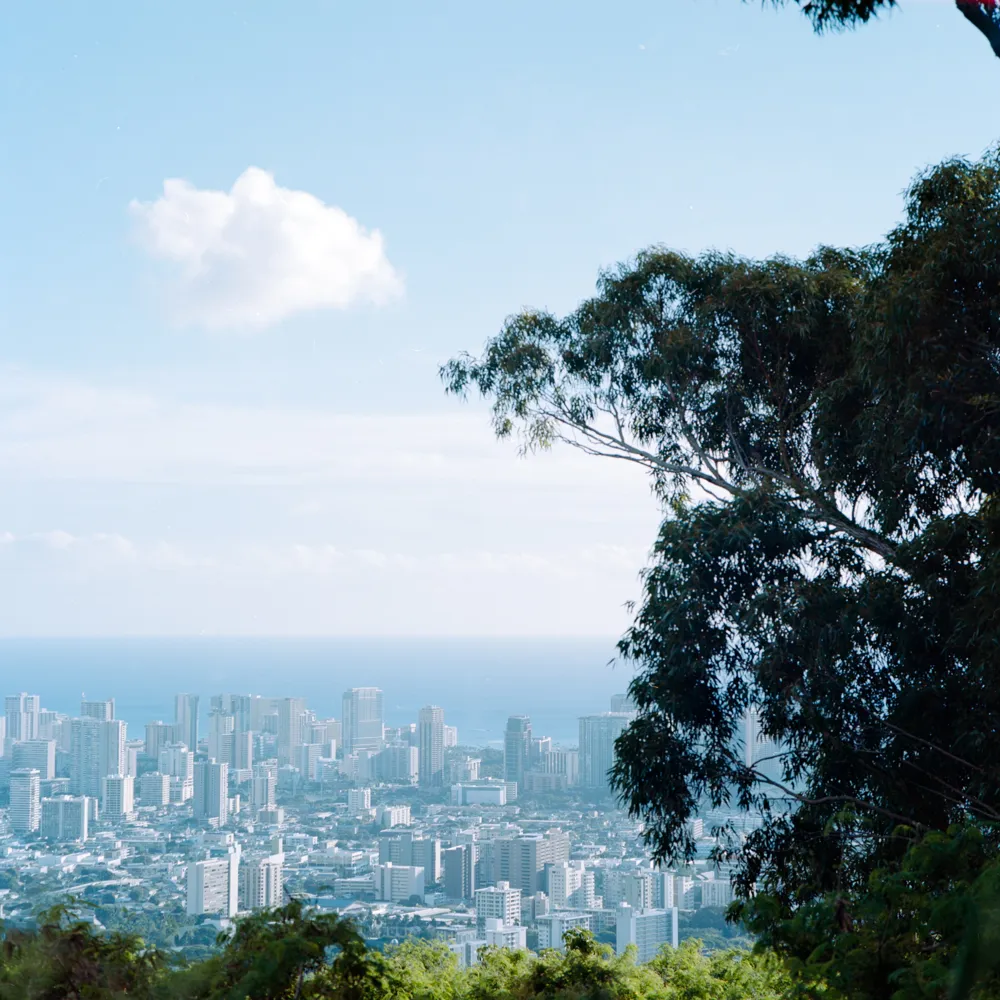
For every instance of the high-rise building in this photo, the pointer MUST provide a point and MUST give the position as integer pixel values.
(25, 800)
(450, 736)
(85, 755)
(211, 792)
(103, 710)
(425, 852)
(397, 883)
(263, 787)
(521, 861)
(118, 796)
(597, 746)
(359, 799)
(362, 719)
(398, 764)
(112, 756)
(570, 885)
(499, 902)
(623, 703)
(213, 885)
(159, 735)
(154, 789)
(291, 719)
(178, 762)
(22, 713)
(66, 818)
(262, 882)
(37, 754)
(186, 719)
(459, 865)
(552, 927)
(649, 930)
(516, 748)
(221, 727)
(239, 706)
(760, 751)
(430, 725)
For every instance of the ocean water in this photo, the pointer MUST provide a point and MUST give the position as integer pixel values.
(478, 682)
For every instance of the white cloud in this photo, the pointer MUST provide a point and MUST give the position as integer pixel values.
(259, 253)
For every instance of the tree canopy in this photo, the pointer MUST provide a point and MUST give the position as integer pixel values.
(824, 435)
(984, 15)
(292, 952)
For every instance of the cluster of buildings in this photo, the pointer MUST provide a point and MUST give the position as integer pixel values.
(401, 827)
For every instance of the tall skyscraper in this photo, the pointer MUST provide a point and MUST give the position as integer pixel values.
(290, 724)
(22, 715)
(262, 882)
(221, 727)
(263, 787)
(430, 725)
(362, 719)
(597, 746)
(85, 757)
(186, 719)
(158, 735)
(177, 761)
(112, 751)
(118, 796)
(25, 800)
(37, 754)
(103, 710)
(211, 792)
(239, 706)
(459, 871)
(516, 748)
(213, 885)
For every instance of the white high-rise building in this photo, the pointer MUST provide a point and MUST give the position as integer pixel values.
(211, 792)
(37, 754)
(552, 927)
(291, 721)
(159, 735)
(178, 762)
(498, 902)
(262, 882)
(396, 883)
(450, 736)
(430, 728)
(362, 719)
(22, 713)
(118, 797)
(213, 885)
(154, 789)
(186, 720)
(66, 818)
(398, 764)
(516, 748)
(570, 886)
(113, 757)
(359, 799)
(263, 789)
(497, 934)
(25, 800)
(648, 930)
(597, 746)
(221, 728)
(103, 710)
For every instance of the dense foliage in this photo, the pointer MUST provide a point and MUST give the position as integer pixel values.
(825, 437)
(292, 952)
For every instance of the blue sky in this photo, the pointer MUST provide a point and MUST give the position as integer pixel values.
(254, 440)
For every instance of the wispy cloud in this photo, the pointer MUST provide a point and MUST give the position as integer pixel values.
(259, 253)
